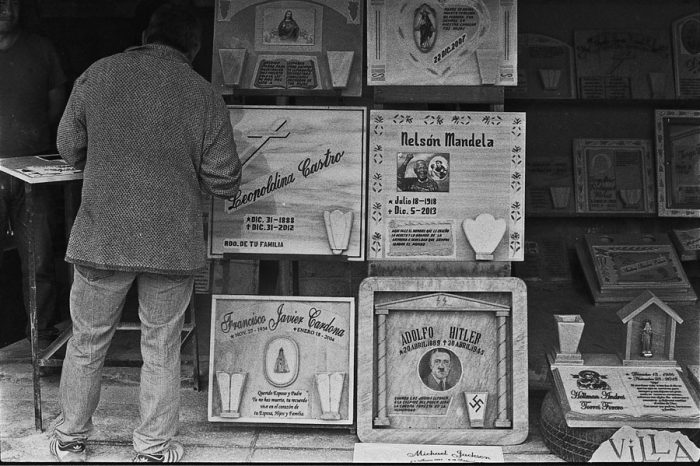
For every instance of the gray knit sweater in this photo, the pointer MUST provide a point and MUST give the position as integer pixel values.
(151, 134)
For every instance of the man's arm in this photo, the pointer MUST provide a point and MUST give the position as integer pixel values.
(220, 168)
(71, 138)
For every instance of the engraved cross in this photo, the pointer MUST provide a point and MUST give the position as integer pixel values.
(274, 131)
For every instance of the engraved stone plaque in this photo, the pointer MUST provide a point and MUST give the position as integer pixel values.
(620, 267)
(442, 360)
(615, 396)
(302, 190)
(614, 176)
(438, 42)
(281, 360)
(288, 47)
(678, 162)
(446, 186)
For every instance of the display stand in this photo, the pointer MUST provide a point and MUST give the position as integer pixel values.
(36, 170)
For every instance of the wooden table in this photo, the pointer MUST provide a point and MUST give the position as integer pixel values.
(34, 170)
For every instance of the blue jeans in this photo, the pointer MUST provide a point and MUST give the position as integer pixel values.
(96, 302)
(12, 209)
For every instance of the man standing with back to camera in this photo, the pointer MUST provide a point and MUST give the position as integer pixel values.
(149, 133)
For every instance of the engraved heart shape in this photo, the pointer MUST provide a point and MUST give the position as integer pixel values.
(484, 233)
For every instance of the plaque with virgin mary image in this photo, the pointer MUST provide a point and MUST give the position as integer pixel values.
(288, 47)
(614, 176)
(302, 191)
(442, 42)
(442, 361)
(282, 360)
(447, 186)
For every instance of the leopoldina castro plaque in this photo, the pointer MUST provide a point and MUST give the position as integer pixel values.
(446, 186)
(442, 361)
(442, 42)
(288, 47)
(302, 189)
(282, 360)
(614, 176)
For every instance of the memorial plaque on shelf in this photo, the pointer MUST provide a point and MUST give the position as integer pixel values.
(446, 186)
(282, 360)
(303, 185)
(442, 361)
(545, 69)
(616, 396)
(686, 50)
(614, 176)
(288, 47)
(678, 162)
(620, 267)
(687, 243)
(549, 186)
(442, 42)
(624, 64)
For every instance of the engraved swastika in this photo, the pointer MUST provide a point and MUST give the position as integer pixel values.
(476, 403)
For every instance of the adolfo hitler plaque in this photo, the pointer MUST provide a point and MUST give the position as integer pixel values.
(446, 186)
(442, 361)
(282, 360)
(442, 42)
(288, 46)
(302, 191)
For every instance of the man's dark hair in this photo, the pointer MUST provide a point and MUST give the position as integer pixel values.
(176, 26)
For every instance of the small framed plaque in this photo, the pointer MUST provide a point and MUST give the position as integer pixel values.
(288, 47)
(282, 360)
(624, 64)
(686, 50)
(620, 267)
(678, 162)
(442, 42)
(442, 361)
(447, 186)
(614, 176)
(302, 189)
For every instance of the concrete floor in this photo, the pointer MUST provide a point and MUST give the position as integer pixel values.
(117, 415)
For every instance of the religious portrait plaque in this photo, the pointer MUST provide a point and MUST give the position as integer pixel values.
(303, 186)
(616, 396)
(620, 267)
(614, 176)
(624, 64)
(678, 162)
(686, 50)
(545, 69)
(442, 42)
(446, 186)
(288, 47)
(282, 360)
(442, 361)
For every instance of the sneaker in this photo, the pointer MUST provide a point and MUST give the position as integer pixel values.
(68, 452)
(173, 453)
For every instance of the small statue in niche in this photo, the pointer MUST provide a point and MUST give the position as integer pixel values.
(647, 335)
(281, 363)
